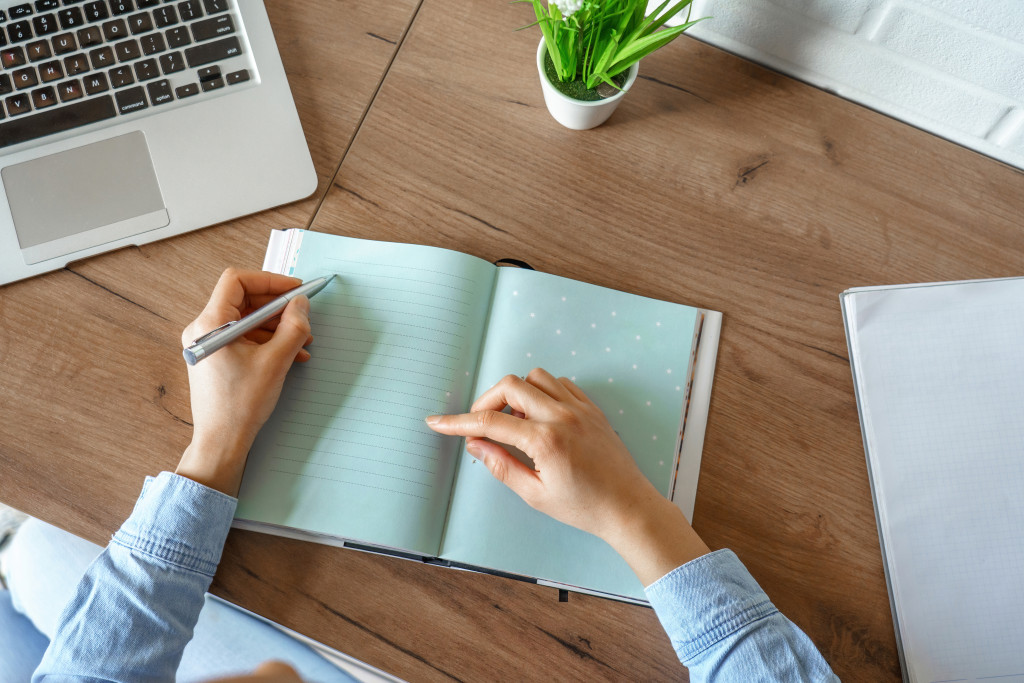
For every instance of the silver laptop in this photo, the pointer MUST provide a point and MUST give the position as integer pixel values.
(125, 122)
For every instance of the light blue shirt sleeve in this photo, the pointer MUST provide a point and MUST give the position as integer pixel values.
(724, 628)
(134, 610)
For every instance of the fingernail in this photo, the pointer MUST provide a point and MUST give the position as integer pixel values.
(473, 448)
(303, 304)
(433, 419)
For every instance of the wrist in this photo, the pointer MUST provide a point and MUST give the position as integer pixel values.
(216, 462)
(654, 537)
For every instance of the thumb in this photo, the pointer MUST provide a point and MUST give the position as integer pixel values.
(292, 331)
(505, 467)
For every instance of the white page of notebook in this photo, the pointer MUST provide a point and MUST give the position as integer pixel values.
(940, 379)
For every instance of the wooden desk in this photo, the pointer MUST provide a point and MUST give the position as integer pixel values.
(717, 183)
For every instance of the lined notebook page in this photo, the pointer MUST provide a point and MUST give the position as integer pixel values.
(939, 371)
(396, 338)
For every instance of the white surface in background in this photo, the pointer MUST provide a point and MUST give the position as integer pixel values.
(952, 67)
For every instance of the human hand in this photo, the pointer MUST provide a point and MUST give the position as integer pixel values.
(234, 390)
(267, 672)
(583, 474)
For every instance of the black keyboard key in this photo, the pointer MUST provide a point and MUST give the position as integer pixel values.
(178, 36)
(127, 50)
(19, 11)
(140, 23)
(24, 78)
(95, 83)
(160, 92)
(70, 17)
(3, 16)
(47, 5)
(89, 36)
(184, 91)
(3, 40)
(115, 30)
(45, 24)
(76, 64)
(102, 57)
(19, 31)
(172, 62)
(152, 43)
(70, 91)
(214, 6)
(5, 84)
(121, 76)
(17, 104)
(57, 120)
(214, 84)
(208, 73)
(146, 4)
(64, 43)
(213, 51)
(11, 57)
(96, 11)
(211, 28)
(38, 49)
(190, 10)
(44, 97)
(165, 16)
(132, 99)
(51, 71)
(146, 69)
(119, 7)
(238, 76)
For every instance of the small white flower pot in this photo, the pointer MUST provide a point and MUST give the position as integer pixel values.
(577, 114)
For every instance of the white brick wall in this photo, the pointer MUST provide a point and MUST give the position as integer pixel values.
(952, 67)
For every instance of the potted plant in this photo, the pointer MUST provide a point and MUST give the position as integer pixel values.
(589, 54)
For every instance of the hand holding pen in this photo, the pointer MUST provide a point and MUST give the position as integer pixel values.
(235, 390)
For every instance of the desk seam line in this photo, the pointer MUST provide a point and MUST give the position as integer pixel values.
(362, 118)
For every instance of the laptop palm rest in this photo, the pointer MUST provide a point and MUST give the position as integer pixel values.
(84, 197)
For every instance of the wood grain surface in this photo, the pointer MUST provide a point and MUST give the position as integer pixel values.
(717, 183)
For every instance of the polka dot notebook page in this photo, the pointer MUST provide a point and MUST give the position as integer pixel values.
(407, 331)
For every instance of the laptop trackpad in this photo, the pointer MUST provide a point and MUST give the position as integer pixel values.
(84, 197)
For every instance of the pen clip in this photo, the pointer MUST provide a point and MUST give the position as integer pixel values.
(212, 332)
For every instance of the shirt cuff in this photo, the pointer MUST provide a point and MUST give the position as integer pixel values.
(706, 600)
(179, 521)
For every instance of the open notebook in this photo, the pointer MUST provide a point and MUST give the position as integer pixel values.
(406, 331)
(939, 375)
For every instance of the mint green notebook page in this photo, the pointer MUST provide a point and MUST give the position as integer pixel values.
(396, 338)
(631, 355)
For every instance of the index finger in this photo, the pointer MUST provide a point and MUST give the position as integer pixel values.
(236, 287)
(235, 291)
(491, 424)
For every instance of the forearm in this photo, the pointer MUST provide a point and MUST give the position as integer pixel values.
(724, 628)
(134, 610)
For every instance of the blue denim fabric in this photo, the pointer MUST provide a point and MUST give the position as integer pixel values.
(135, 610)
(724, 628)
(21, 645)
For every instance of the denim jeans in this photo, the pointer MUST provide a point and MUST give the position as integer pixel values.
(44, 565)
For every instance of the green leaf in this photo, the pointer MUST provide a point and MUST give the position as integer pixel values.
(646, 45)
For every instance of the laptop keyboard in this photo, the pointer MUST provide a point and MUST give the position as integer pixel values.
(71, 63)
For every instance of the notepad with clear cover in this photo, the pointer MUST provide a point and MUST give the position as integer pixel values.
(407, 331)
(938, 370)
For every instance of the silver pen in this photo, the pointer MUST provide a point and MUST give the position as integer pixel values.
(229, 332)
